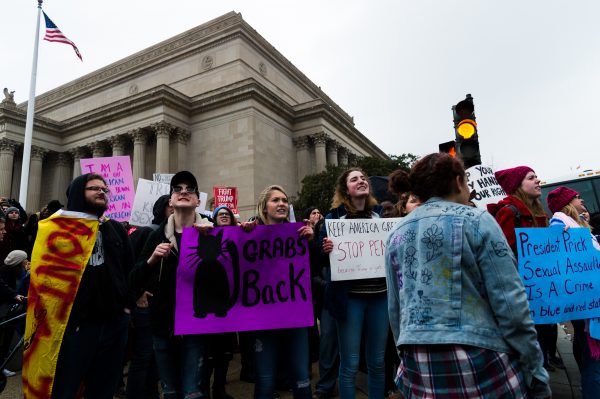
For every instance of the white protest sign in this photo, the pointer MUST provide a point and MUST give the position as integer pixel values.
(203, 200)
(487, 190)
(145, 196)
(163, 177)
(358, 247)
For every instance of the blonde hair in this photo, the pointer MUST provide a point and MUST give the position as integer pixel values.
(571, 212)
(341, 196)
(263, 198)
(534, 206)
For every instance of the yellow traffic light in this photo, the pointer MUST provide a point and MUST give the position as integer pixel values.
(466, 128)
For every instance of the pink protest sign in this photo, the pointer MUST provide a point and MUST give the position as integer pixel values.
(117, 173)
(232, 280)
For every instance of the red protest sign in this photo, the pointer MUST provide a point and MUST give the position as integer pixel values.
(226, 196)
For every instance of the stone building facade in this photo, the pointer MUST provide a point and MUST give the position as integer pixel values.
(217, 100)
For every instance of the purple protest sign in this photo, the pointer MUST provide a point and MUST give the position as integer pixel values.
(232, 280)
(117, 173)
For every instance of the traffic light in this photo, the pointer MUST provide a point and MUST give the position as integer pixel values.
(449, 148)
(465, 128)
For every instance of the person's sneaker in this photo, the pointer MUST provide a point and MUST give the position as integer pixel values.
(8, 373)
(557, 362)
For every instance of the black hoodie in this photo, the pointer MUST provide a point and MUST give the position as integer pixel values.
(103, 292)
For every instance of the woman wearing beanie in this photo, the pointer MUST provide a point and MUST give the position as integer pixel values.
(523, 208)
(567, 206)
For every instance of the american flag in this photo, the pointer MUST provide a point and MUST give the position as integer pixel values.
(53, 34)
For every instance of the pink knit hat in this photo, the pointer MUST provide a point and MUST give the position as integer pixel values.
(560, 197)
(510, 179)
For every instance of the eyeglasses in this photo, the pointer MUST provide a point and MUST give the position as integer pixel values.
(222, 214)
(179, 189)
(578, 196)
(97, 189)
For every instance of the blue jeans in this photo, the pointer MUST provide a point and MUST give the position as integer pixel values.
(368, 311)
(329, 354)
(92, 353)
(180, 363)
(294, 341)
(142, 379)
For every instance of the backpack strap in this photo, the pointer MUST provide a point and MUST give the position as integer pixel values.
(517, 214)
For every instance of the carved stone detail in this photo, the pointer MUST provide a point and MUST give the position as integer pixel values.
(320, 139)
(207, 62)
(133, 89)
(63, 159)
(162, 129)
(182, 136)
(139, 136)
(262, 68)
(38, 152)
(7, 145)
(98, 148)
(302, 142)
(117, 143)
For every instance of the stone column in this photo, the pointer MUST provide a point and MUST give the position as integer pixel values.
(98, 149)
(302, 145)
(77, 154)
(182, 136)
(332, 152)
(118, 145)
(163, 133)
(35, 178)
(7, 157)
(343, 156)
(139, 154)
(62, 177)
(320, 140)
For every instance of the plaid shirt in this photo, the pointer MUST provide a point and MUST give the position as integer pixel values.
(458, 371)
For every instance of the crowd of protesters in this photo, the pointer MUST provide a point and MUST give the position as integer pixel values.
(464, 332)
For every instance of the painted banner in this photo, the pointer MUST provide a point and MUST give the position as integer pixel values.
(146, 194)
(487, 190)
(62, 249)
(226, 196)
(117, 173)
(232, 280)
(358, 247)
(560, 272)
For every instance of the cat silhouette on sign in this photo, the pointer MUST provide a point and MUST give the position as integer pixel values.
(212, 292)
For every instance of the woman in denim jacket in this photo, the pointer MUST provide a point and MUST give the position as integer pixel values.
(457, 307)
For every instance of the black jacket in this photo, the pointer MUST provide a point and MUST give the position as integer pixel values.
(160, 278)
(103, 294)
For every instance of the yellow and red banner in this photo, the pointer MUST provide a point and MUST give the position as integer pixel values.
(63, 246)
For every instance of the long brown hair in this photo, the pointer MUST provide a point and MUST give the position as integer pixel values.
(342, 197)
(534, 206)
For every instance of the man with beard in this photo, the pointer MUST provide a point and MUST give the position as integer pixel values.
(94, 342)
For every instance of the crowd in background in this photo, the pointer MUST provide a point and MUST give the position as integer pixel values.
(449, 319)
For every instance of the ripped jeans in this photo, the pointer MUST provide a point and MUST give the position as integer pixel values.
(180, 363)
(292, 343)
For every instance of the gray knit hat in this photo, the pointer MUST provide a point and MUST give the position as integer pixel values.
(15, 258)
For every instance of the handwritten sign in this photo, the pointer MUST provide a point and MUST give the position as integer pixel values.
(560, 272)
(487, 190)
(358, 247)
(232, 280)
(117, 173)
(226, 196)
(145, 196)
(163, 177)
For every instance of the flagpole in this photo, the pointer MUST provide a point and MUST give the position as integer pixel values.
(30, 112)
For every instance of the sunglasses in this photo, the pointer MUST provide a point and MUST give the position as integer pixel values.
(223, 214)
(97, 189)
(179, 189)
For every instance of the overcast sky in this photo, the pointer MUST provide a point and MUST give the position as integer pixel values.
(533, 67)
